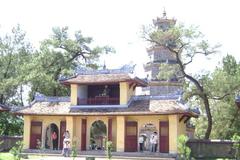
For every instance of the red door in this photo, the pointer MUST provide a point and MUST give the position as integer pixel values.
(110, 129)
(35, 134)
(84, 135)
(131, 137)
(62, 130)
(164, 137)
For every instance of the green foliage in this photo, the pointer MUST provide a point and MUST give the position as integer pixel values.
(16, 151)
(183, 44)
(109, 149)
(236, 146)
(222, 86)
(168, 71)
(10, 124)
(98, 128)
(74, 149)
(59, 56)
(14, 52)
(183, 150)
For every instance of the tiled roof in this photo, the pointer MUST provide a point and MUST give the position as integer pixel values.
(137, 107)
(103, 78)
(46, 108)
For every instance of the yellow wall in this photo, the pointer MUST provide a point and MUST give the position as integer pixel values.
(126, 92)
(118, 127)
(120, 133)
(78, 131)
(70, 127)
(123, 93)
(74, 93)
(26, 133)
(173, 132)
(182, 127)
(114, 133)
(46, 121)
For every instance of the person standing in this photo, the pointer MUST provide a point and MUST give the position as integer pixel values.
(141, 141)
(66, 147)
(151, 142)
(155, 142)
(54, 140)
(66, 135)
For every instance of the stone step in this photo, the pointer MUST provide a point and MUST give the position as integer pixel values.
(101, 154)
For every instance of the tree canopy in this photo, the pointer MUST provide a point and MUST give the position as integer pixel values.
(223, 87)
(39, 70)
(185, 43)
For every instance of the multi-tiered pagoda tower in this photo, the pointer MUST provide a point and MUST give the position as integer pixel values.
(159, 55)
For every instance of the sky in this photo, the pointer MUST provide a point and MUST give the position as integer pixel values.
(118, 23)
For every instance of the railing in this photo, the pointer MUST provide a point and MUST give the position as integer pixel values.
(99, 100)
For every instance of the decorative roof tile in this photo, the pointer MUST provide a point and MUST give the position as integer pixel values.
(104, 78)
(4, 108)
(137, 107)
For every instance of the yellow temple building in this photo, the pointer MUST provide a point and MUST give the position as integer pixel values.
(107, 100)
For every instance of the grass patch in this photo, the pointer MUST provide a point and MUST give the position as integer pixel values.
(9, 156)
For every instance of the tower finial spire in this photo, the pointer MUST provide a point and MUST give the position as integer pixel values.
(164, 13)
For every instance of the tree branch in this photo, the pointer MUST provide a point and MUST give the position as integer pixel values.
(226, 94)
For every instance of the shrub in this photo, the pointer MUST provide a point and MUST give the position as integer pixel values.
(183, 150)
(40, 147)
(74, 150)
(236, 146)
(17, 150)
(109, 149)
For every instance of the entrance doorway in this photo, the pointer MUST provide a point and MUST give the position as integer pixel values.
(52, 136)
(98, 135)
(164, 136)
(131, 136)
(36, 134)
(147, 130)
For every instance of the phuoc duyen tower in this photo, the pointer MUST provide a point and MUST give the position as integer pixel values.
(160, 55)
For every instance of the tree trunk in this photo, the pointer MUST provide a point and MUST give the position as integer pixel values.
(201, 94)
(209, 116)
(1, 99)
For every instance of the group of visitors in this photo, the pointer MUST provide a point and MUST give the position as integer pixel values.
(66, 142)
(153, 142)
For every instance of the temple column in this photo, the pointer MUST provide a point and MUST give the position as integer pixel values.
(27, 130)
(120, 133)
(70, 127)
(173, 133)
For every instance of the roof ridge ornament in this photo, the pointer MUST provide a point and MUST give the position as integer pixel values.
(125, 69)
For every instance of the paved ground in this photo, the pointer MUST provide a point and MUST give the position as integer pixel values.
(56, 155)
(82, 158)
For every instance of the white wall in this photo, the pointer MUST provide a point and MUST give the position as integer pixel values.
(82, 91)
